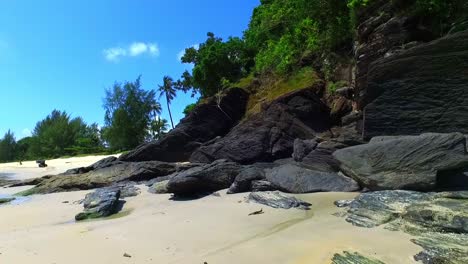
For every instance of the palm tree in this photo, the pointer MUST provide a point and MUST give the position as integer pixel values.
(169, 91)
(158, 128)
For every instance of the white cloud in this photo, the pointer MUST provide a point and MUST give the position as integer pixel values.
(114, 54)
(182, 52)
(135, 49)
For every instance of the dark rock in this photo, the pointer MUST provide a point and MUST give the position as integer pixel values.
(353, 258)
(303, 147)
(296, 179)
(351, 118)
(41, 163)
(383, 28)
(270, 134)
(242, 183)
(321, 158)
(406, 162)
(106, 162)
(419, 90)
(209, 178)
(100, 203)
(262, 186)
(127, 189)
(118, 172)
(278, 199)
(205, 122)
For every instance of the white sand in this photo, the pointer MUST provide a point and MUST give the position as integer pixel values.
(214, 229)
(29, 169)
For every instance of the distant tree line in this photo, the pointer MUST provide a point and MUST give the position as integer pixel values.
(132, 117)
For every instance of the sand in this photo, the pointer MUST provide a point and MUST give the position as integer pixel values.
(29, 169)
(155, 229)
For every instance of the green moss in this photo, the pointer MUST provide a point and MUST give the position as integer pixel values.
(273, 86)
(26, 192)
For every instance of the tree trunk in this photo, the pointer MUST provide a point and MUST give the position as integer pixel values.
(170, 115)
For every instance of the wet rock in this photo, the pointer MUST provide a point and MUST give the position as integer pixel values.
(100, 203)
(6, 200)
(296, 179)
(270, 134)
(353, 258)
(207, 121)
(442, 248)
(277, 199)
(321, 158)
(343, 203)
(404, 162)
(437, 220)
(209, 178)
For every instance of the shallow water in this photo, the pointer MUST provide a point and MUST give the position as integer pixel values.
(17, 201)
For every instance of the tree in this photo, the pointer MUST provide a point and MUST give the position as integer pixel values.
(58, 134)
(168, 90)
(215, 61)
(158, 128)
(128, 112)
(8, 147)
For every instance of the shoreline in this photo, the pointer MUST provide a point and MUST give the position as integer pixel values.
(153, 228)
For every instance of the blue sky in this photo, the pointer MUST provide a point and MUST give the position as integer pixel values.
(60, 54)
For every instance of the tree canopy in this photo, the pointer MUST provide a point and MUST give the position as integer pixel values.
(129, 110)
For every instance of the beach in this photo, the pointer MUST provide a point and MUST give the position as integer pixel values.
(153, 228)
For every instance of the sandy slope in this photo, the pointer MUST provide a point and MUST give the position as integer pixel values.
(218, 230)
(29, 169)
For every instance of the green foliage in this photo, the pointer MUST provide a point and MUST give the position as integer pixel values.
(8, 147)
(214, 61)
(189, 108)
(168, 90)
(58, 135)
(128, 112)
(158, 128)
(285, 32)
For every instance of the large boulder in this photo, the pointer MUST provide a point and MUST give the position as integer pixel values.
(405, 162)
(207, 121)
(270, 134)
(437, 221)
(118, 172)
(422, 89)
(294, 178)
(209, 178)
(100, 203)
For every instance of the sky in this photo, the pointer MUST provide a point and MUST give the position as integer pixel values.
(61, 54)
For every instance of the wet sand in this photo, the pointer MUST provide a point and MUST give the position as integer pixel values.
(155, 229)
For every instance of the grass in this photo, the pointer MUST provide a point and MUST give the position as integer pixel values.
(272, 87)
